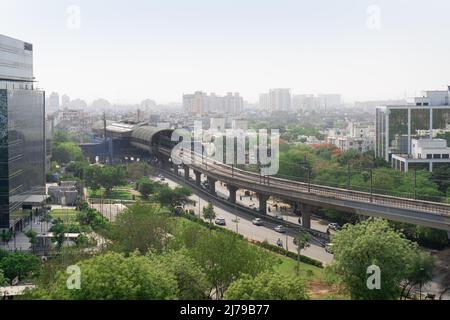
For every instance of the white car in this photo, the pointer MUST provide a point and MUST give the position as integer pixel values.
(258, 222)
(280, 229)
(220, 221)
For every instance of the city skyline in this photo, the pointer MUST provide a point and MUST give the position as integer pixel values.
(347, 48)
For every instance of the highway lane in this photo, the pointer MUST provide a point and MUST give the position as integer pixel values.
(245, 227)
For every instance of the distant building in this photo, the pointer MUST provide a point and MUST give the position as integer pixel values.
(325, 101)
(421, 119)
(279, 100)
(264, 102)
(201, 103)
(360, 137)
(52, 103)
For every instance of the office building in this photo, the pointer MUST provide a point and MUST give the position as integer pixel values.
(423, 118)
(22, 134)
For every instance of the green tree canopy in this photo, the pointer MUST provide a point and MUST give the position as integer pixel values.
(267, 286)
(112, 276)
(67, 151)
(192, 281)
(142, 227)
(20, 264)
(224, 256)
(372, 242)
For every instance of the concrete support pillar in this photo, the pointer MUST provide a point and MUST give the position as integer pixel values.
(198, 177)
(431, 166)
(232, 190)
(186, 172)
(306, 215)
(262, 198)
(212, 185)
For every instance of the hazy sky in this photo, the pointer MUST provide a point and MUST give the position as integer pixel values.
(126, 51)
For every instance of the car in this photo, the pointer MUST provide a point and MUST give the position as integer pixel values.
(329, 247)
(334, 226)
(220, 221)
(279, 217)
(258, 222)
(280, 229)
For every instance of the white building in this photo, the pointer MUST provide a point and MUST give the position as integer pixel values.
(279, 99)
(424, 151)
(346, 143)
(201, 103)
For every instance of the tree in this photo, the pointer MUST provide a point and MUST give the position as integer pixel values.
(419, 272)
(107, 177)
(137, 170)
(192, 281)
(110, 177)
(209, 213)
(32, 235)
(77, 168)
(169, 197)
(145, 186)
(112, 276)
(267, 286)
(142, 227)
(66, 152)
(372, 242)
(224, 257)
(58, 229)
(20, 264)
(6, 236)
(302, 242)
(3, 281)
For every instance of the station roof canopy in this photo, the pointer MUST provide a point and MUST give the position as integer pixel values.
(146, 133)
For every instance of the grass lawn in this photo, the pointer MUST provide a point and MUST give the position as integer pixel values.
(119, 194)
(67, 215)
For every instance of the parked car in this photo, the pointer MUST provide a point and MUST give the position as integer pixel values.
(258, 222)
(161, 177)
(280, 229)
(279, 217)
(334, 226)
(220, 221)
(329, 247)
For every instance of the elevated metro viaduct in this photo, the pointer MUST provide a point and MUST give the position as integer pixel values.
(154, 145)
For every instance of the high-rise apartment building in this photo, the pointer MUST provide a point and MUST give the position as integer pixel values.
(201, 103)
(22, 133)
(280, 99)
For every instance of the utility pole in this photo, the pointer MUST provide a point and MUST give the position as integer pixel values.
(309, 180)
(371, 185)
(415, 183)
(348, 176)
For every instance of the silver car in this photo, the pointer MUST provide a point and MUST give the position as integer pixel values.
(280, 229)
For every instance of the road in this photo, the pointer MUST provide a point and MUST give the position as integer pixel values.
(245, 227)
(273, 205)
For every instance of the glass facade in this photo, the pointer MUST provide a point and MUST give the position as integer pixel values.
(22, 150)
(403, 123)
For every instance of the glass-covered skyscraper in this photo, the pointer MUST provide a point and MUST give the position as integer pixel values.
(22, 131)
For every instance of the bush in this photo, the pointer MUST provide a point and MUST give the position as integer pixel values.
(289, 254)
